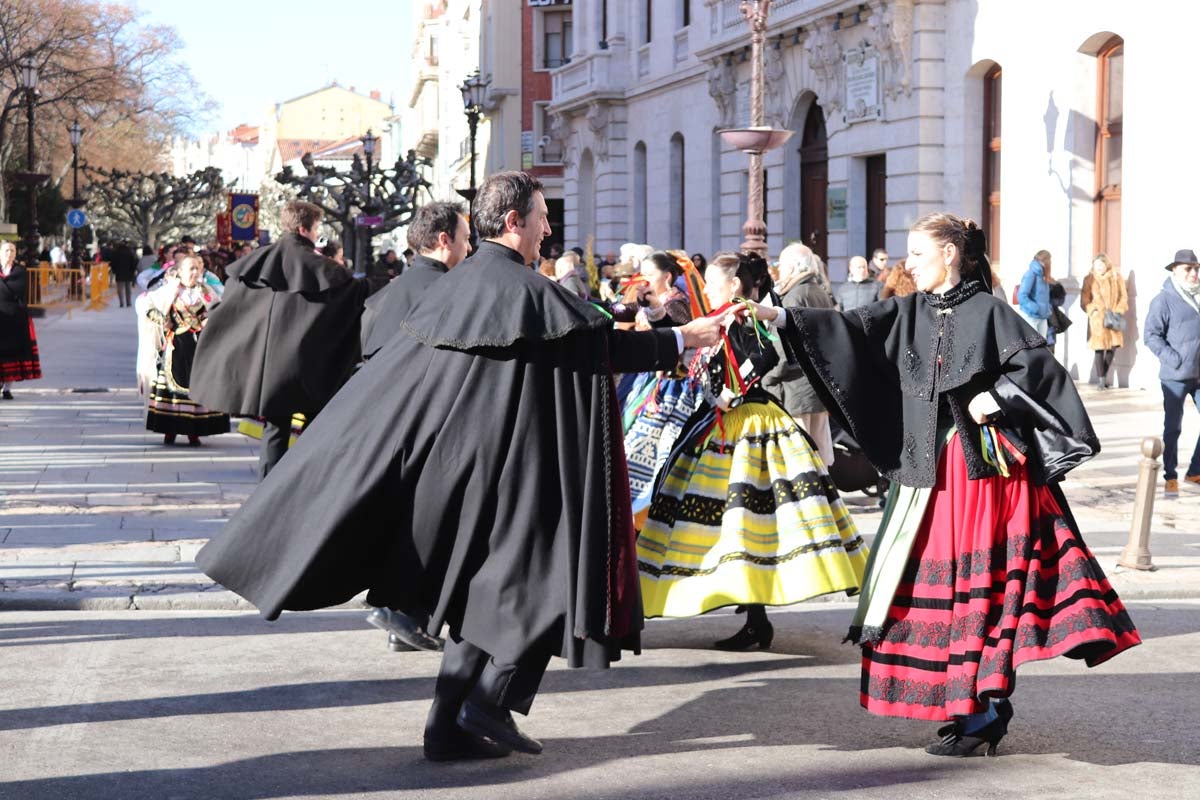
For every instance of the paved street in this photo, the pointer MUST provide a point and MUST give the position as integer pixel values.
(164, 688)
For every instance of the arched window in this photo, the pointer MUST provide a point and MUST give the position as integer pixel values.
(639, 193)
(1110, 70)
(991, 162)
(675, 227)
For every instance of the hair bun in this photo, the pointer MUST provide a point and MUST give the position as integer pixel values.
(976, 240)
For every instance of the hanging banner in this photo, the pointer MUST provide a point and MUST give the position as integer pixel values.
(224, 227)
(243, 216)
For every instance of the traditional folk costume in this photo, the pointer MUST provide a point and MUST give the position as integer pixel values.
(657, 407)
(471, 468)
(178, 313)
(18, 340)
(979, 566)
(745, 511)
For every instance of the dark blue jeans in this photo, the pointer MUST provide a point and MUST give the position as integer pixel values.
(1175, 393)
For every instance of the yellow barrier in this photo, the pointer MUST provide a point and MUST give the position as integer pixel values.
(100, 284)
(61, 287)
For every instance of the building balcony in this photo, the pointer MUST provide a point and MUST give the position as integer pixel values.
(596, 76)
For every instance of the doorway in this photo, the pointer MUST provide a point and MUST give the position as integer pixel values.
(876, 204)
(814, 181)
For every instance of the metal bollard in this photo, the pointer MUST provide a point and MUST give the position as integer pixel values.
(1136, 554)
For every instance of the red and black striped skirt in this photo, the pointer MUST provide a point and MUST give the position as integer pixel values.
(998, 576)
(26, 366)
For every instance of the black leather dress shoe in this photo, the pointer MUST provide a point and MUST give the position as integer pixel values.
(404, 628)
(458, 745)
(398, 645)
(496, 724)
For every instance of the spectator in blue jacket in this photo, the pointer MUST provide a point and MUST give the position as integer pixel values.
(1172, 332)
(1033, 295)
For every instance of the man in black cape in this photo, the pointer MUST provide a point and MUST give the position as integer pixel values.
(439, 234)
(285, 336)
(474, 467)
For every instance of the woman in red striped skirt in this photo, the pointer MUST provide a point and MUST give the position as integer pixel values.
(978, 566)
(18, 341)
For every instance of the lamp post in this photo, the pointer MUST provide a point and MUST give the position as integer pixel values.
(473, 90)
(75, 202)
(362, 233)
(27, 76)
(758, 138)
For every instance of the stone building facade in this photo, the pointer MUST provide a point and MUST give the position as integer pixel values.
(1007, 111)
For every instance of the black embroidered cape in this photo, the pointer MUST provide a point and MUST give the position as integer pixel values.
(472, 468)
(894, 371)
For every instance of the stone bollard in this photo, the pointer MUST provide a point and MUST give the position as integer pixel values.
(1136, 554)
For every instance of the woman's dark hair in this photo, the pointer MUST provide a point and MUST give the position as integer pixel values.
(966, 236)
(699, 260)
(501, 193)
(331, 248)
(429, 221)
(666, 263)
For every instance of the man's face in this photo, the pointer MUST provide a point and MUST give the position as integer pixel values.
(858, 268)
(390, 257)
(8, 254)
(1188, 274)
(879, 262)
(461, 244)
(534, 228)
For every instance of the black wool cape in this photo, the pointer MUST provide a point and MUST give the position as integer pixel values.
(284, 337)
(387, 308)
(473, 468)
(888, 370)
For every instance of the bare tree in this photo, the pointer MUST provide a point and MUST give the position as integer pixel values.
(150, 208)
(96, 62)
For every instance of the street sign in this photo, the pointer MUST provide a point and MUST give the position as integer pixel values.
(363, 221)
(76, 218)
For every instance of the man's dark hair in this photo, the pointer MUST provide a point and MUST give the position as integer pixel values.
(331, 248)
(187, 240)
(501, 193)
(429, 221)
(180, 252)
(299, 214)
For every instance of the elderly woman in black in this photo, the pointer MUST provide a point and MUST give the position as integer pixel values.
(18, 340)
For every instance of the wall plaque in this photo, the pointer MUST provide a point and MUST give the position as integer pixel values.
(835, 199)
(862, 85)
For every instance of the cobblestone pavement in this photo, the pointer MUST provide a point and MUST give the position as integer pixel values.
(97, 513)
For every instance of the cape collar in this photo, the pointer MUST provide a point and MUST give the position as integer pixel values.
(501, 250)
(955, 296)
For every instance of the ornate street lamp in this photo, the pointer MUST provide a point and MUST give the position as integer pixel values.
(27, 76)
(758, 138)
(362, 236)
(474, 90)
(76, 132)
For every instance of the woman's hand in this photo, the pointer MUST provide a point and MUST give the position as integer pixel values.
(982, 407)
(764, 313)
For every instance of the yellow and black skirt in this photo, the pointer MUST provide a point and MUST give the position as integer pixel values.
(745, 512)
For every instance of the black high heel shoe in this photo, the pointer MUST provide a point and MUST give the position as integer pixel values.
(956, 743)
(749, 636)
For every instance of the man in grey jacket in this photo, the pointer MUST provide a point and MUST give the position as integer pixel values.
(1172, 332)
(800, 285)
(860, 290)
